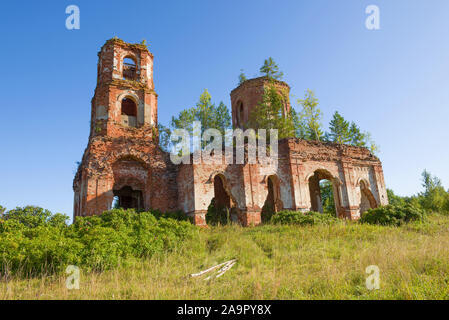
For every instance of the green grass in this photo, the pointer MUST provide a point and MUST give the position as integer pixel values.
(274, 262)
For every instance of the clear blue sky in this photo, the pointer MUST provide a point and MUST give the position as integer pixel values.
(393, 82)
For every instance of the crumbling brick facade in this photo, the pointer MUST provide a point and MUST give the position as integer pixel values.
(122, 157)
(123, 162)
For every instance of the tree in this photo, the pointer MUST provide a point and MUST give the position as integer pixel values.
(371, 145)
(339, 129)
(271, 70)
(327, 197)
(362, 139)
(242, 77)
(2, 211)
(358, 138)
(298, 125)
(271, 113)
(434, 197)
(209, 115)
(394, 199)
(164, 137)
(33, 217)
(310, 117)
(343, 132)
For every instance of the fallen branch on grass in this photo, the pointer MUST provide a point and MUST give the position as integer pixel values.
(225, 266)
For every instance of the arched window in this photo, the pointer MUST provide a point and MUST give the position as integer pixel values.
(240, 114)
(129, 69)
(129, 112)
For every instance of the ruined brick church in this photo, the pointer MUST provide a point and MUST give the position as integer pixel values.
(124, 163)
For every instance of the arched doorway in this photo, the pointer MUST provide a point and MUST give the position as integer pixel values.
(272, 203)
(367, 200)
(324, 192)
(240, 115)
(130, 175)
(222, 208)
(127, 198)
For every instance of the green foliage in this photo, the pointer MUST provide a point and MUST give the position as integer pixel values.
(362, 139)
(357, 138)
(164, 137)
(339, 129)
(327, 198)
(32, 241)
(242, 77)
(217, 215)
(308, 121)
(176, 215)
(208, 114)
(392, 215)
(33, 217)
(271, 70)
(298, 125)
(394, 199)
(343, 132)
(299, 218)
(267, 213)
(270, 113)
(434, 197)
(274, 262)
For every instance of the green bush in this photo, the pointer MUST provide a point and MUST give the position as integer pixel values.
(267, 213)
(38, 250)
(33, 217)
(394, 215)
(32, 241)
(217, 215)
(177, 215)
(300, 218)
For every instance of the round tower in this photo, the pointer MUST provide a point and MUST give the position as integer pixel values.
(249, 94)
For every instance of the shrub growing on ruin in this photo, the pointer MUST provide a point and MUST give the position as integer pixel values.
(300, 218)
(393, 215)
(217, 215)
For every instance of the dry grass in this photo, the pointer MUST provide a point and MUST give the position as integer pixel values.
(275, 262)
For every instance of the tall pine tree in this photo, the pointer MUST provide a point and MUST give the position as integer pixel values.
(208, 114)
(242, 77)
(271, 70)
(339, 129)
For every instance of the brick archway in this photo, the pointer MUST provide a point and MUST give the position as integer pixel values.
(273, 201)
(223, 205)
(130, 177)
(313, 181)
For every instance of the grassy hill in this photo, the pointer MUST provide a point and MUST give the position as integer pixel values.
(273, 262)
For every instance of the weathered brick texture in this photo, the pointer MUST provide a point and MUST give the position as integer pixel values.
(122, 159)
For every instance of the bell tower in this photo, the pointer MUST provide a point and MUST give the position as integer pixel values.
(122, 161)
(124, 97)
